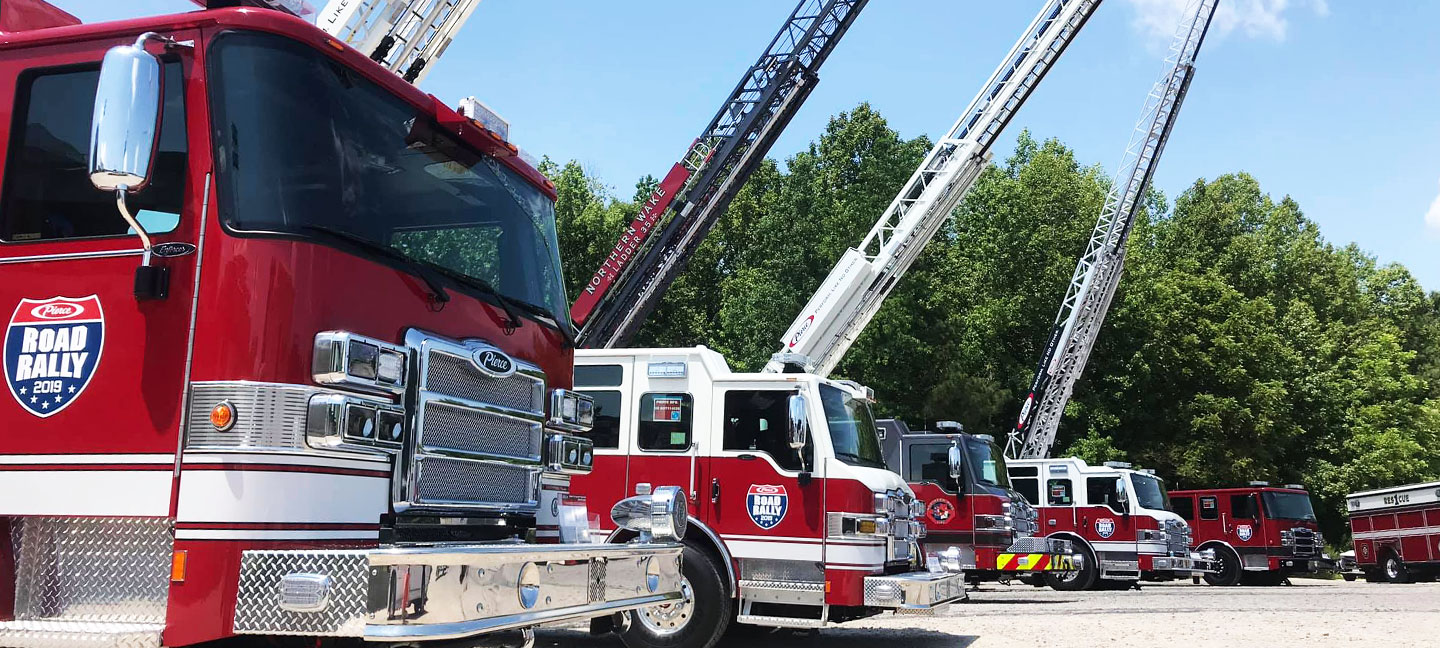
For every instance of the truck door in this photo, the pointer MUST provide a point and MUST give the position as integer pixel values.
(1108, 513)
(1209, 522)
(666, 448)
(96, 377)
(948, 518)
(606, 484)
(760, 502)
(1245, 528)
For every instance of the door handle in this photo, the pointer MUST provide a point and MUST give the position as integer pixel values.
(714, 490)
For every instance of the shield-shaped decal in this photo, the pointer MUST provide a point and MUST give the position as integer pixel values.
(1245, 532)
(52, 347)
(766, 505)
(1105, 527)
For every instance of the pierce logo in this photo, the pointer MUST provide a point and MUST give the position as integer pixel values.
(800, 332)
(766, 505)
(52, 347)
(1244, 532)
(493, 363)
(1105, 527)
(940, 510)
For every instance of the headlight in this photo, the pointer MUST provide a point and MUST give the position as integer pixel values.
(662, 515)
(917, 509)
(337, 421)
(347, 359)
(992, 522)
(882, 503)
(1150, 535)
(571, 411)
(1287, 538)
(569, 454)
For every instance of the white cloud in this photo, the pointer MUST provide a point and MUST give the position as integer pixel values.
(1252, 18)
(1432, 216)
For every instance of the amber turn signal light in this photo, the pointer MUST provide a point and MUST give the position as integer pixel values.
(222, 416)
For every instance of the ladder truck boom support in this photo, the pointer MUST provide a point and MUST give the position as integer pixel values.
(1097, 275)
(652, 250)
(853, 292)
(405, 36)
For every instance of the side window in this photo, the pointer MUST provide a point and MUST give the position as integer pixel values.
(1183, 507)
(47, 193)
(1058, 492)
(1029, 487)
(1100, 491)
(755, 421)
(1209, 508)
(665, 421)
(1243, 507)
(930, 462)
(606, 431)
(598, 375)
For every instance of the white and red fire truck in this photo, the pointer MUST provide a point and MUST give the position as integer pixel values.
(1396, 532)
(286, 354)
(1117, 518)
(796, 524)
(976, 513)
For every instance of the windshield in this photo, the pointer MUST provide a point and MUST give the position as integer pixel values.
(307, 147)
(987, 462)
(1150, 492)
(852, 428)
(1288, 506)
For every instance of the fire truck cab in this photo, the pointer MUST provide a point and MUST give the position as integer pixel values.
(1117, 518)
(977, 514)
(796, 521)
(1396, 532)
(1260, 534)
(286, 351)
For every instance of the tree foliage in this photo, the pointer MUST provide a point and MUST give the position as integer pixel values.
(1241, 345)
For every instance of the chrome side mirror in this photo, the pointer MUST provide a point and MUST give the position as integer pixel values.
(124, 133)
(1122, 500)
(799, 428)
(957, 461)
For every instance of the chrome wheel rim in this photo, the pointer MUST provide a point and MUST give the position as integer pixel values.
(1392, 568)
(669, 618)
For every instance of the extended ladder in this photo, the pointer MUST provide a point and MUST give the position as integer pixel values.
(1096, 276)
(406, 36)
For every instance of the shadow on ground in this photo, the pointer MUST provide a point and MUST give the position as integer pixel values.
(827, 638)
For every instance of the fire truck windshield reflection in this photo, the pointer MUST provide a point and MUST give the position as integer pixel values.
(1288, 506)
(988, 462)
(852, 428)
(318, 148)
(1150, 492)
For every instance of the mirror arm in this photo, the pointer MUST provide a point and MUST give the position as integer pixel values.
(133, 223)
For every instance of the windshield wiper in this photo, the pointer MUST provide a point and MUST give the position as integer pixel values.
(414, 266)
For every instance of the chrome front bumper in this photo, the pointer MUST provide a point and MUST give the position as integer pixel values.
(447, 591)
(915, 591)
(1198, 562)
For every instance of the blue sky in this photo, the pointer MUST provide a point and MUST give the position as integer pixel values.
(1333, 104)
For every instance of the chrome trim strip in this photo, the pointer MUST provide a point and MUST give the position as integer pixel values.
(190, 331)
(70, 256)
(438, 555)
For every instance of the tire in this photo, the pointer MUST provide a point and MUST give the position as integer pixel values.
(1074, 581)
(1349, 578)
(1393, 569)
(1227, 571)
(696, 621)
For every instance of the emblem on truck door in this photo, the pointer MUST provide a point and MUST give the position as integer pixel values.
(940, 510)
(493, 362)
(1244, 531)
(52, 347)
(1105, 527)
(766, 505)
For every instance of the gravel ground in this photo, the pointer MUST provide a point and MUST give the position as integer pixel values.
(1310, 613)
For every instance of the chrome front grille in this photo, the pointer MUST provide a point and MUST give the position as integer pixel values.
(1177, 538)
(442, 480)
(1307, 542)
(455, 375)
(478, 437)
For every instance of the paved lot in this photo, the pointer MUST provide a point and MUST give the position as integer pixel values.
(1310, 613)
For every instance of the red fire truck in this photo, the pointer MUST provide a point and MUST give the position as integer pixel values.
(797, 523)
(1260, 534)
(1396, 532)
(287, 351)
(1117, 518)
(976, 513)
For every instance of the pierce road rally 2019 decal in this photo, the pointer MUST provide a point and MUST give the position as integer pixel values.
(52, 347)
(1245, 532)
(1105, 527)
(766, 505)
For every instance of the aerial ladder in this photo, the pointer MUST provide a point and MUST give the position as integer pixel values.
(696, 191)
(1093, 284)
(851, 295)
(405, 36)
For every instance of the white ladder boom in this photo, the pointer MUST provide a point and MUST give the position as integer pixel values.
(1097, 275)
(851, 295)
(405, 36)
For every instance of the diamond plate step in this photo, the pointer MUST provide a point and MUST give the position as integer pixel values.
(53, 633)
(779, 621)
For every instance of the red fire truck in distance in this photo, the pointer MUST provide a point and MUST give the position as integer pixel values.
(797, 523)
(287, 351)
(1260, 534)
(977, 514)
(1117, 518)
(1396, 532)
